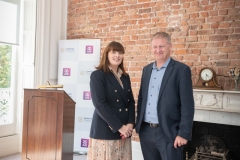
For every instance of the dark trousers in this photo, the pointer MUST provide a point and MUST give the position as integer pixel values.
(154, 146)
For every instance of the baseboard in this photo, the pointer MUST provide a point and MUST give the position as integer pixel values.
(9, 145)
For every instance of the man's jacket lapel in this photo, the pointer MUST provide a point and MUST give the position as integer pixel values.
(146, 76)
(167, 73)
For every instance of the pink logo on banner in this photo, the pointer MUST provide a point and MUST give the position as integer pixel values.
(87, 95)
(89, 49)
(84, 143)
(66, 71)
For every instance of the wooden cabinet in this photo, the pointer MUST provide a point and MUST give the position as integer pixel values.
(48, 125)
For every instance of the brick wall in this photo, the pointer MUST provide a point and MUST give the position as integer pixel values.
(204, 32)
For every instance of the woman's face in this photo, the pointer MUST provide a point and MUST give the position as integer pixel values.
(115, 58)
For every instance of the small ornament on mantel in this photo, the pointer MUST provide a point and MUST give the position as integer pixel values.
(207, 80)
(234, 74)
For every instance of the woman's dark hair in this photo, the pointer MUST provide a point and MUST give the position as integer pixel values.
(113, 46)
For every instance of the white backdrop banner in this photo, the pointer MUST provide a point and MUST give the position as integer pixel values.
(77, 60)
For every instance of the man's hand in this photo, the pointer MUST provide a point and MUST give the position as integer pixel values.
(179, 141)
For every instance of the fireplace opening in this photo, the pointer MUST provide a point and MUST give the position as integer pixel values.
(213, 142)
(212, 148)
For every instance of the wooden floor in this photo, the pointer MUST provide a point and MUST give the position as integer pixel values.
(18, 157)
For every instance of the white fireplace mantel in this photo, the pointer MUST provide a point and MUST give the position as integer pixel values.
(217, 106)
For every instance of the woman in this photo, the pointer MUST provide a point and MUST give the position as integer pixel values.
(114, 115)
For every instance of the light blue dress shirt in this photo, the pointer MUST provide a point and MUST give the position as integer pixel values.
(153, 92)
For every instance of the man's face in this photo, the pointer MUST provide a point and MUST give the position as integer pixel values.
(161, 49)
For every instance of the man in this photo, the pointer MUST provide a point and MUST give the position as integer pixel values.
(165, 106)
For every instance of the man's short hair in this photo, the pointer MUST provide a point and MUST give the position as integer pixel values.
(162, 35)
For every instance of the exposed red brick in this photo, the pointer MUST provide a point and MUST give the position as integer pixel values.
(200, 30)
(178, 57)
(213, 13)
(196, 21)
(172, 1)
(219, 38)
(178, 40)
(223, 12)
(191, 57)
(225, 5)
(215, 19)
(144, 1)
(205, 32)
(237, 3)
(224, 31)
(235, 24)
(175, 6)
(196, 3)
(181, 51)
(207, 63)
(236, 30)
(235, 42)
(204, 2)
(213, 1)
(205, 26)
(232, 17)
(208, 8)
(146, 10)
(195, 51)
(193, 9)
(146, 5)
(197, 45)
(234, 55)
(218, 56)
(204, 58)
(214, 25)
(192, 39)
(204, 38)
(215, 44)
(186, 5)
(235, 62)
(224, 25)
(194, 15)
(183, 1)
(204, 14)
(227, 50)
(226, 43)
(209, 51)
(234, 36)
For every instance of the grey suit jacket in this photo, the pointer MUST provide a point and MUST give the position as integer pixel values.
(175, 105)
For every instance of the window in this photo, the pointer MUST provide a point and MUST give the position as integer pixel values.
(9, 18)
(9, 41)
(6, 109)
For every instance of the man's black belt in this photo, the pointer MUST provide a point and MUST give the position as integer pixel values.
(151, 124)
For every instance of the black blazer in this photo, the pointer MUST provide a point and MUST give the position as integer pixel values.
(114, 106)
(175, 102)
